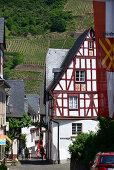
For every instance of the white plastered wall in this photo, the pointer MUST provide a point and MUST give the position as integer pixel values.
(26, 131)
(65, 136)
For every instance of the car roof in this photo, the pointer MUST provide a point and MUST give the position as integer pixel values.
(106, 153)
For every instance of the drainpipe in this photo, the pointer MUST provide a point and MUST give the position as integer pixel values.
(58, 140)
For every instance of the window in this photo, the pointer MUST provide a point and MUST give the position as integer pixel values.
(76, 128)
(90, 45)
(73, 102)
(106, 159)
(80, 75)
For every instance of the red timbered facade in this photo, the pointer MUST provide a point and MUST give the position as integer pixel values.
(71, 94)
(75, 93)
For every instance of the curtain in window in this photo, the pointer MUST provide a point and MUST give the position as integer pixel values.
(70, 102)
(75, 102)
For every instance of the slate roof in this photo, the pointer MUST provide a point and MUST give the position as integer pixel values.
(31, 111)
(54, 59)
(65, 62)
(33, 102)
(16, 99)
(2, 31)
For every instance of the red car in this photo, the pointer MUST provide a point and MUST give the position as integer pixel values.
(103, 161)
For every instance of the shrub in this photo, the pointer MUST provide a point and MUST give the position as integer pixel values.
(12, 59)
(105, 136)
(3, 167)
(86, 145)
(80, 144)
(58, 23)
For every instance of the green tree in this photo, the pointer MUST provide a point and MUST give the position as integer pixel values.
(40, 124)
(105, 135)
(26, 16)
(16, 124)
(58, 23)
(11, 60)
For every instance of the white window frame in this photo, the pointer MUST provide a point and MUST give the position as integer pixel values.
(72, 103)
(80, 77)
(90, 45)
(76, 128)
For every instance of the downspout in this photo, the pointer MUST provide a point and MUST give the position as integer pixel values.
(58, 140)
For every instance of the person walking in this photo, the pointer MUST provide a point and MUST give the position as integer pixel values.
(30, 151)
(38, 153)
(23, 153)
(42, 152)
(26, 153)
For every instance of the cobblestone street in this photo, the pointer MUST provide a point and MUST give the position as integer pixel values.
(35, 164)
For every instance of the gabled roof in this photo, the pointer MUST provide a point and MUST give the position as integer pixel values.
(33, 102)
(16, 98)
(2, 32)
(31, 111)
(68, 58)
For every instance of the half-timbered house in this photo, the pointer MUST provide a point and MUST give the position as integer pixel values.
(71, 94)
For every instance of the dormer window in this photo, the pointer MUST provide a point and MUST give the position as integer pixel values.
(90, 45)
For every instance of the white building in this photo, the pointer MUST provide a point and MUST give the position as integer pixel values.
(31, 107)
(71, 95)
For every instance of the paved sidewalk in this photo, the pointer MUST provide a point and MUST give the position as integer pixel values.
(35, 164)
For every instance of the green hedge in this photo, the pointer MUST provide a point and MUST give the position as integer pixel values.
(86, 145)
(3, 167)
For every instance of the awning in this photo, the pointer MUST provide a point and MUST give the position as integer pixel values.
(7, 138)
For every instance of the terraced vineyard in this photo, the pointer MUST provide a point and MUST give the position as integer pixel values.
(32, 79)
(35, 49)
(82, 11)
(33, 68)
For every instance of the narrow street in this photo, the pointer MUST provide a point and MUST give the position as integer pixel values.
(35, 164)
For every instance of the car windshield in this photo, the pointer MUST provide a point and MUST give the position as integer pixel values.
(107, 159)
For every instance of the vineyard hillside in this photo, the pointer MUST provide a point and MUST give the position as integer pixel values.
(34, 48)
